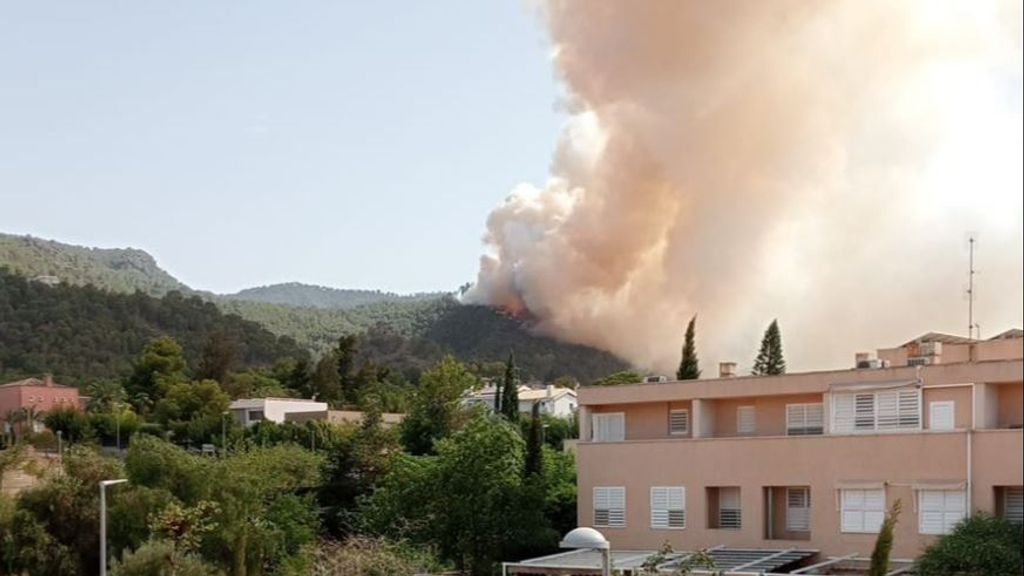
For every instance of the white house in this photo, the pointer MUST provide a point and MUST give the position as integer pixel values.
(555, 401)
(249, 411)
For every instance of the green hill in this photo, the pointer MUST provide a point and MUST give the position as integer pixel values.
(409, 332)
(115, 269)
(310, 296)
(82, 333)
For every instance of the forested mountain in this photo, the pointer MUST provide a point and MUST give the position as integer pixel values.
(408, 332)
(116, 269)
(307, 295)
(82, 333)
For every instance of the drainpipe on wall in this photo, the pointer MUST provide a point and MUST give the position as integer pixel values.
(970, 471)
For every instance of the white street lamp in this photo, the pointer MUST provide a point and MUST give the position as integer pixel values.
(103, 521)
(588, 538)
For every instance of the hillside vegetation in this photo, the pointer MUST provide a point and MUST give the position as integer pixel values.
(409, 332)
(115, 269)
(83, 333)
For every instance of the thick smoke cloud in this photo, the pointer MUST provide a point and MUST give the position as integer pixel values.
(819, 162)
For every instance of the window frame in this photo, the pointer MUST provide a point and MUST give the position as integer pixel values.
(673, 432)
(609, 493)
(656, 523)
(942, 404)
(1016, 493)
(863, 510)
(806, 491)
(874, 412)
(947, 523)
(740, 411)
(606, 416)
(805, 430)
(738, 509)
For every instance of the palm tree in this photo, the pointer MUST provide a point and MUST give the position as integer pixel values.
(104, 394)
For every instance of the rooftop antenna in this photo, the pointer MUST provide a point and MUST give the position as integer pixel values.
(970, 290)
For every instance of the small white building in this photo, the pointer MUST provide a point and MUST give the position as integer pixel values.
(249, 411)
(554, 401)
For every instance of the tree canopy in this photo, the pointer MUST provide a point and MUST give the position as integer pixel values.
(769, 361)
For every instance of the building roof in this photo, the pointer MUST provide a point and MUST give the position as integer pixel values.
(1010, 334)
(525, 393)
(39, 382)
(584, 561)
(242, 403)
(939, 337)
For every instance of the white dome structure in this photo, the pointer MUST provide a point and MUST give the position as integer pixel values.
(584, 538)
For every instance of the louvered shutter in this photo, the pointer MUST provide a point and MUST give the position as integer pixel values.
(939, 511)
(729, 513)
(798, 509)
(746, 420)
(679, 422)
(1013, 504)
(668, 507)
(610, 506)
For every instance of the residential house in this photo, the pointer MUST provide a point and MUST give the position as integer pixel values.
(249, 411)
(553, 400)
(23, 402)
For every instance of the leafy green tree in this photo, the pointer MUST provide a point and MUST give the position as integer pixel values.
(510, 390)
(253, 384)
(220, 355)
(71, 423)
(345, 356)
(326, 384)
(161, 365)
(436, 410)
(624, 377)
(162, 558)
(769, 361)
(883, 544)
(193, 411)
(688, 367)
(104, 394)
(534, 465)
(373, 557)
(980, 545)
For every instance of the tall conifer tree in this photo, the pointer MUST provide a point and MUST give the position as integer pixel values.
(688, 367)
(510, 390)
(769, 360)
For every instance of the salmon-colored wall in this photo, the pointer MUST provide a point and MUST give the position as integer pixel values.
(648, 421)
(779, 516)
(770, 413)
(816, 461)
(43, 398)
(960, 395)
(983, 351)
(1011, 405)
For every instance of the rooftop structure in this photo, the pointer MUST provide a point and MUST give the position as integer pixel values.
(553, 400)
(249, 411)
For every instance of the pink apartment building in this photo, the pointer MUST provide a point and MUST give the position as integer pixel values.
(811, 460)
(38, 394)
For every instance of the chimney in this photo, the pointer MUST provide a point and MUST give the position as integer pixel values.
(726, 369)
(48, 380)
(550, 390)
(860, 359)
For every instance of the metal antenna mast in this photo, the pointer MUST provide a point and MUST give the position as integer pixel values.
(970, 291)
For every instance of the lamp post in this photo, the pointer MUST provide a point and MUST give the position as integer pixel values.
(590, 539)
(117, 426)
(224, 433)
(60, 446)
(103, 521)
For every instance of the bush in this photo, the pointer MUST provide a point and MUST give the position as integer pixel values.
(983, 545)
(371, 557)
(160, 558)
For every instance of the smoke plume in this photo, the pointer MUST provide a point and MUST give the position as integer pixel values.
(819, 162)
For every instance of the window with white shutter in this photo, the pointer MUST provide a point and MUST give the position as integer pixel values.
(798, 509)
(729, 513)
(609, 427)
(679, 422)
(941, 415)
(1013, 504)
(862, 510)
(876, 411)
(938, 511)
(746, 420)
(804, 419)
(668, 507)
(609, 506)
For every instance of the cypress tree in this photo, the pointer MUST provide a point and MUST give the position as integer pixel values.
(688, 368)
(534, 464)
(769, 360)
(883, 545)
(510, 391)
(497, 396)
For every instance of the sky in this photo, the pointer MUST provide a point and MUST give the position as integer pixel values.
(348, 144)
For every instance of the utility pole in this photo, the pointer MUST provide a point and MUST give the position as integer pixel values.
(970, 290)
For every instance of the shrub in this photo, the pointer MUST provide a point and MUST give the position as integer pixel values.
(983, 545)
(360, 556)
(160, 558)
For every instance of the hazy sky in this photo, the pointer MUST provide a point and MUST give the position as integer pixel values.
(351, 144)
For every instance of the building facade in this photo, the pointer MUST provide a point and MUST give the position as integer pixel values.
(249, 411)
(553, 400)
(809, 460)
(24, 402)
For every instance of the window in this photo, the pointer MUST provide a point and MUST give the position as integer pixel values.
(610, 506)
(804, 419)
(1013, 504)
(746, 420)
(610, 427)
(255, 415)
(874, 411)
(798, 509)
(940, 510)
(729, 513)
(863, 510)
(940, 415)
(679, 422)
(668, 507)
